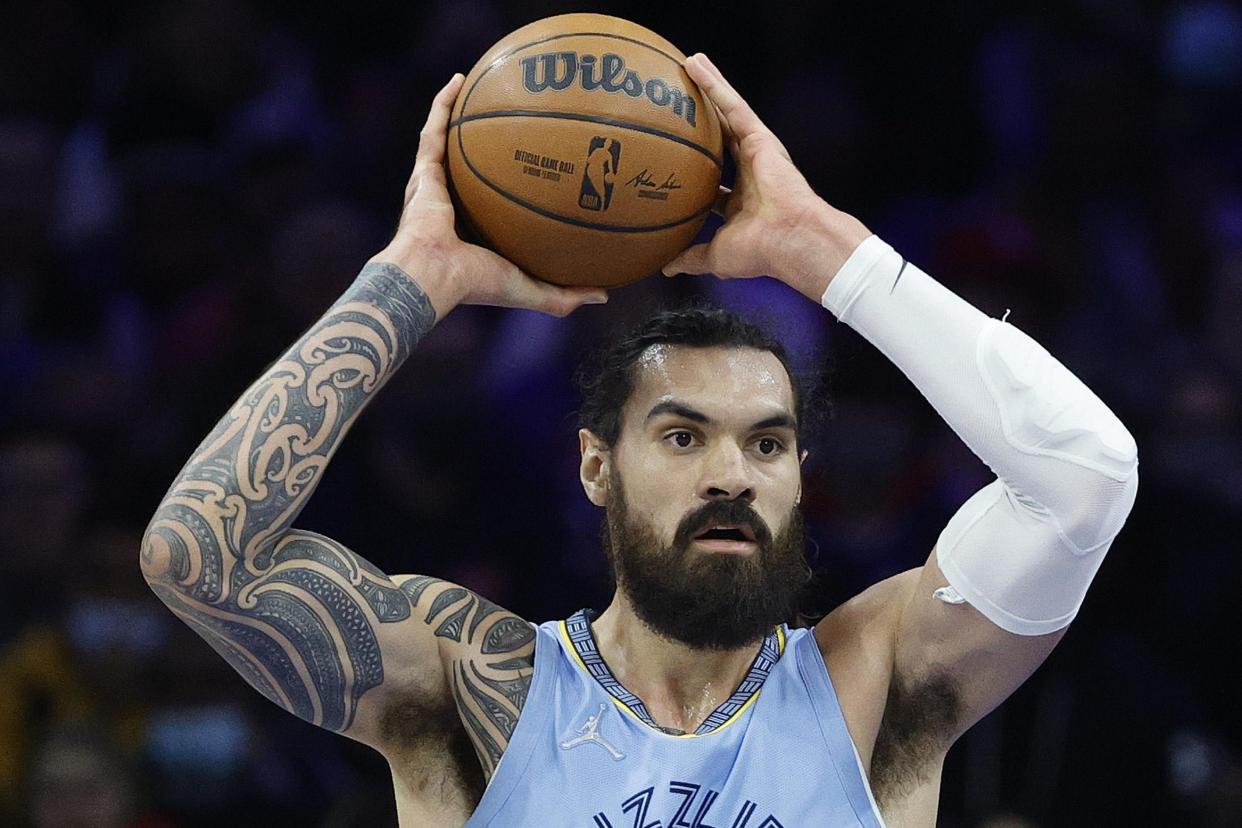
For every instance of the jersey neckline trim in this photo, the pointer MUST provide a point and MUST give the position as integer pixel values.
(576, 631)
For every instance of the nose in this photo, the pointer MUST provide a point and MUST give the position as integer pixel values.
(727, 475)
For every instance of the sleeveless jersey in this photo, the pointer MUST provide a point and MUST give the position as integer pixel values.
(586, 754)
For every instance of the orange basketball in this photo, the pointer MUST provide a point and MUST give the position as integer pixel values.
(581, 151)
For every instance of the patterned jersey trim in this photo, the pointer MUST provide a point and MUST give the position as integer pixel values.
(578, 631)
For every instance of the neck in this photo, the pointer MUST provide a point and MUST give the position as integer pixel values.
(680, 685)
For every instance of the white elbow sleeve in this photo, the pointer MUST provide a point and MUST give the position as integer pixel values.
(1023, 550)
(1067, 451)
(1026, 562)
(1012, 561)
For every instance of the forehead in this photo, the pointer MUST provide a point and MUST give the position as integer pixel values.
(720, 382)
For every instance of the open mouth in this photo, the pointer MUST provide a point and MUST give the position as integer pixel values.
(727, 532)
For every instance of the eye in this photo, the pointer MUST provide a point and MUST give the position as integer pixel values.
(681, 439)
(770, 446)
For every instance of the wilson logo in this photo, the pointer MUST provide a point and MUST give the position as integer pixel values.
(558, 71)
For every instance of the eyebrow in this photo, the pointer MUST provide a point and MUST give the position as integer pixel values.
(782, 420)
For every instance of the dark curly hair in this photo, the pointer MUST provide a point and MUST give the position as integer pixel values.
(606, 378)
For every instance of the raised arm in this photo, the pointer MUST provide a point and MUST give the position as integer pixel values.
(305, 621)
(1011, 569)
(297, 614)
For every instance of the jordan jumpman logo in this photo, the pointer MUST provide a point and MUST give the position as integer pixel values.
(589, 732)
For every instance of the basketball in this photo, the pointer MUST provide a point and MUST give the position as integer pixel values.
(580, 150)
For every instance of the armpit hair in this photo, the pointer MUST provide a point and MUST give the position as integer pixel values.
(913, 735)
(431, 749)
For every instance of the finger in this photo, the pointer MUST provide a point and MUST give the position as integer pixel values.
(562, 301)
(695, 260)
(735, 146)
(722, 201)
(431, 139)
(525, 291)
(727, 133)
(739, 117)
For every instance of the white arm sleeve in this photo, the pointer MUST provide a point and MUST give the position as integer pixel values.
(1024, 549)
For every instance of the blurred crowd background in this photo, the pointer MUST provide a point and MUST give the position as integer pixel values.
(184, 187)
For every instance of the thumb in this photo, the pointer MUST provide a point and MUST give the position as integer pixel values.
(695, 259)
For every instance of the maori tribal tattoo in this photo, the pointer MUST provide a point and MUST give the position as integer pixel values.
(490, 671)
(295, 613)
(490, 668)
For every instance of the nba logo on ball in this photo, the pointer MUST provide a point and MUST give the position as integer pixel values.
(603, 156)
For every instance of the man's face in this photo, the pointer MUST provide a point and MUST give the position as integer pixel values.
(707, 440)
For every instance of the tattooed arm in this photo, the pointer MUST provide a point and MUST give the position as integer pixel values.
(308, 623)
(297, 614)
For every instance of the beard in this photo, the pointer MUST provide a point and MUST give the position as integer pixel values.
(706, 600)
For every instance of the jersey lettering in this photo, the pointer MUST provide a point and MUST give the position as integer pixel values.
(635, 808)
(639, 803)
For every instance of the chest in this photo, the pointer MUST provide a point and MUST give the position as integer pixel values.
(592, 760)
(583, 744)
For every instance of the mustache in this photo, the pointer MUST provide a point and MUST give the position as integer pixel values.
(722, 511)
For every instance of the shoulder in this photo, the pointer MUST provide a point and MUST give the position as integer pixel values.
(460, 615)
(865, 626)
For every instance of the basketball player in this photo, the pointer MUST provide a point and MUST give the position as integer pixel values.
(687, 702)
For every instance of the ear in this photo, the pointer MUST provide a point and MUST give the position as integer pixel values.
(594, 468)
(801, 460)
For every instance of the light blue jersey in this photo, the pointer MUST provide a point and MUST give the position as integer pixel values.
(586, 754)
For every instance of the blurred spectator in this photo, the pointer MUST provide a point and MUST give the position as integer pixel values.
(78, 778)
(88, 654)
(44, 490)
(40, 685)
(1007, 820)
(1224, 803)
